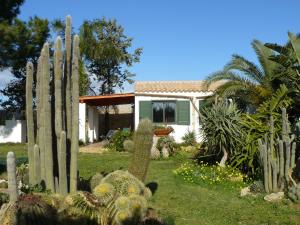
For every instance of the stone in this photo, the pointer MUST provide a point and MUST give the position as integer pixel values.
(155, 153)
(245, 191)
(274, 197)
(165, 152)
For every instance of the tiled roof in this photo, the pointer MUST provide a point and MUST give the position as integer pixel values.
(174, 86)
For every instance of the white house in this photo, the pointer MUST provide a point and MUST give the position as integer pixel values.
(171, 103)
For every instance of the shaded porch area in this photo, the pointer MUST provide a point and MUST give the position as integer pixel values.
(100, 114)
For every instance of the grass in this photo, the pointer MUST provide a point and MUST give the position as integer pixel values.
(184, 203)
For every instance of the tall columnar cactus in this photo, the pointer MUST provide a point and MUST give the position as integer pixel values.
(29, 116)
(278, 160)
(12, 177)
(143, 140)
(56, 141)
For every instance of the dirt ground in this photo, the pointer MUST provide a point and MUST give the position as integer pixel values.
(97, 147)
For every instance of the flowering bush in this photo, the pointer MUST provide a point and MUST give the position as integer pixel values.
(204, 173)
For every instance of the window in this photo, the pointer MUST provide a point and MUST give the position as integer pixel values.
(164, 112)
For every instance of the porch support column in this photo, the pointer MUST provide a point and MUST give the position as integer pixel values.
(91, 124)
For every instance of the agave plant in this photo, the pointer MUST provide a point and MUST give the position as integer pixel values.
(222, 130)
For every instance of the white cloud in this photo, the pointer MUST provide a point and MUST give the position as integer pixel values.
(5, 78)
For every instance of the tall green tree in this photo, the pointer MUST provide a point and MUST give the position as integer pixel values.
(246, 82)
(20, 42)
(9, 9)
(106, 52)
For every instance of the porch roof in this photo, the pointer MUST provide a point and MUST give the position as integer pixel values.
(105, 100)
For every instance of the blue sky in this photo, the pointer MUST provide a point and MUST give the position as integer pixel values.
(183, 40)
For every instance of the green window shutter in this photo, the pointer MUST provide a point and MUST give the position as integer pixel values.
(183, 112)
(145, 110)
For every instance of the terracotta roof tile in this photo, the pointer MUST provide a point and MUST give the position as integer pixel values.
(174, 86)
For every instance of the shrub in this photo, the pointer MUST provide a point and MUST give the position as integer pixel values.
(189, 139)
(117, 140)
(222, 129)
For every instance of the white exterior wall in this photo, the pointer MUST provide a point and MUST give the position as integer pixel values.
(13, 131)
(179, 130)
(82, 120)
(93, 124)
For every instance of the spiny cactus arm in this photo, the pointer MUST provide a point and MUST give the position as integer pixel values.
(287, 158)
(58, 86)
(37, 166)
(68, 99)
(143, 140)
(274, 175)
(63, 183)
(263, 153)
(284, 125)
(40, 114)
(293, 155)
(29, 119)
(75, 116)
(281, 159)
(12, 177)
(47, 121)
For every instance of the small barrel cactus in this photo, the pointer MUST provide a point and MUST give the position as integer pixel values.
(122, 203)
(105, 192)
(128, 145)
(95, 180)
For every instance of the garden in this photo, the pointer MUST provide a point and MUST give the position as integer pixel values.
(244, 169)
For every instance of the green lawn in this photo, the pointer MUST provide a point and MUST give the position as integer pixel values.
(184, 203)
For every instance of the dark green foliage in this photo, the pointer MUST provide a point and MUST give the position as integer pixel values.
(105, 48)
(189, 139)
(9, 10)
(117, 140)
(143, 139)
(20, 42)
(256, 126)
(222, 129)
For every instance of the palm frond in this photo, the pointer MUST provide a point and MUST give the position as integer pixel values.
(263, 54)
(249, 69)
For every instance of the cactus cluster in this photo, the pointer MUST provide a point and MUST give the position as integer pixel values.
(53, 142)
(124, 195)
(143, 140)
(278, 158)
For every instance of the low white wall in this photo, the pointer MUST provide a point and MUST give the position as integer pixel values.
(82, 122)
(13, 131)
(179, 130)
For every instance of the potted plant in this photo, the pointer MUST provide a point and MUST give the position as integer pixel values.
(163, 130)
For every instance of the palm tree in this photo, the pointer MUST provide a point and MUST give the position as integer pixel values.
(246, 82)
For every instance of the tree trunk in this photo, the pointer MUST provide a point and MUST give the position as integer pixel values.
(224, 158)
